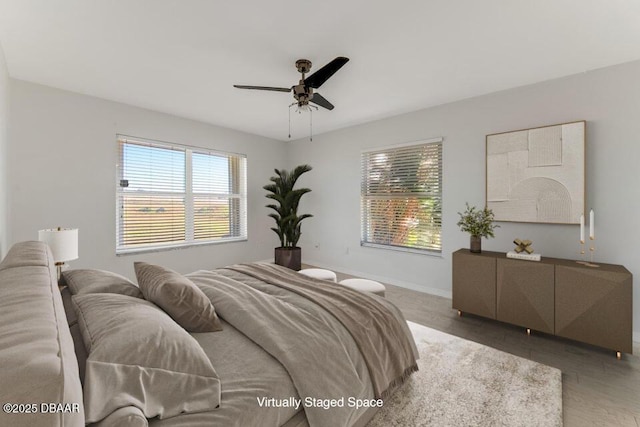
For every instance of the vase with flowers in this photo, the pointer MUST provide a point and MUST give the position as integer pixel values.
(478, 223)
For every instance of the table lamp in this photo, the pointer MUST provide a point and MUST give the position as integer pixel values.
(63, 243)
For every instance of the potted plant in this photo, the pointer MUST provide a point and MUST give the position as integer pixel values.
(478, 223)
(286, 214)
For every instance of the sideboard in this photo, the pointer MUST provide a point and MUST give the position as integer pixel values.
(556, 296)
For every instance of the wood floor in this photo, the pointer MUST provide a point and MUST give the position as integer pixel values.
(597, 389)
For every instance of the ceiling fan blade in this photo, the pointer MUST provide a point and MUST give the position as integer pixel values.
(321, 101)
(276, 89)
(316, 79)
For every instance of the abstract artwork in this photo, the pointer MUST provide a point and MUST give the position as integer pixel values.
(537, 175)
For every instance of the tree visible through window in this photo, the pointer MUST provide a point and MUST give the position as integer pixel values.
(401, 197)
(170, 195)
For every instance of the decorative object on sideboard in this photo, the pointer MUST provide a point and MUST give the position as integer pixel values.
(523, 246)
(286, 214)
(63, 243)
(478, 223)
(592, 238)
(537, 175)
(581, 239)
(525, 257)
(523, 250)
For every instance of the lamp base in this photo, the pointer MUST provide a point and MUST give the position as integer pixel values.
(59, 269)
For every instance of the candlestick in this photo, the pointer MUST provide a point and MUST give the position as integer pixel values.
(592, 250)
(592, 238)
(581, 252)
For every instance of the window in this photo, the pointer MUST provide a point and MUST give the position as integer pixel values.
(170, 195)
(401, 197)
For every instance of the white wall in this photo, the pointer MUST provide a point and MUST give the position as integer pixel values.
(4, 120)
(62, 172)
(62, 156)
(609, 99)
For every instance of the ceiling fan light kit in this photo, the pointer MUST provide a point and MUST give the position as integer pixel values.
(303, 91)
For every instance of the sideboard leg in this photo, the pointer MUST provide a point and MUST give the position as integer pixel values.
(459, 313)
(618, 355)
(528, 331)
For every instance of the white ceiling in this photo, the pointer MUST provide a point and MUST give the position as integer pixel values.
(182, 57)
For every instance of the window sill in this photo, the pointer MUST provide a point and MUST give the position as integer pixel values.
(426, 252)
(150, 249)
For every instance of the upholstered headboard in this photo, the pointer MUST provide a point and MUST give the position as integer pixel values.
(38, 365)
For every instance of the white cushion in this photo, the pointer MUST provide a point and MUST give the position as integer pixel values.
(320, 273)
(365, 285)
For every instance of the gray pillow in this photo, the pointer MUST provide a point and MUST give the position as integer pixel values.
(178, 296)
(84, 281)
(138, 356)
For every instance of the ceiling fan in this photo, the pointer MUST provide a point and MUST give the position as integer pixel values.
(303, 91)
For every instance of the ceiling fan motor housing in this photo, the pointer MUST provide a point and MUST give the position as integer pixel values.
(303, 65)
(302, 93)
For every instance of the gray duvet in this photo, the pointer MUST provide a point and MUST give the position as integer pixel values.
(377, 327)
(285, 352)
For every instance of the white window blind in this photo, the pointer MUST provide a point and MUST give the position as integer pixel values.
(170, 195)
(401, 197)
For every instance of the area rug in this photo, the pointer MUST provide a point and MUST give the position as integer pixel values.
(463, 383)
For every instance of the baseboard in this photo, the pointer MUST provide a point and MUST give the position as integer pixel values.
(383, 279)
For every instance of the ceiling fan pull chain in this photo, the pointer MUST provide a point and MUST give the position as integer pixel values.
(310, 124)
(290, 121)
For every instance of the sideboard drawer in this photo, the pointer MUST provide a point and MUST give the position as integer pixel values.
(474, 284)
(593, 305)
(525, 294)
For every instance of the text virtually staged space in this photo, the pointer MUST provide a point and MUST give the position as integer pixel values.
(330, 214)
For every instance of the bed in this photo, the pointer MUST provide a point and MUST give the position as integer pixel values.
(287, 350)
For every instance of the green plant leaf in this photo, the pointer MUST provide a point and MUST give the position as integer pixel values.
(287, 198)
(477, 222)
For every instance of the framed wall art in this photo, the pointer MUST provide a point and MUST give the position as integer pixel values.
(537, 175)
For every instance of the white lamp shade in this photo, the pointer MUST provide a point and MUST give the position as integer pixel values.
(63, 243)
